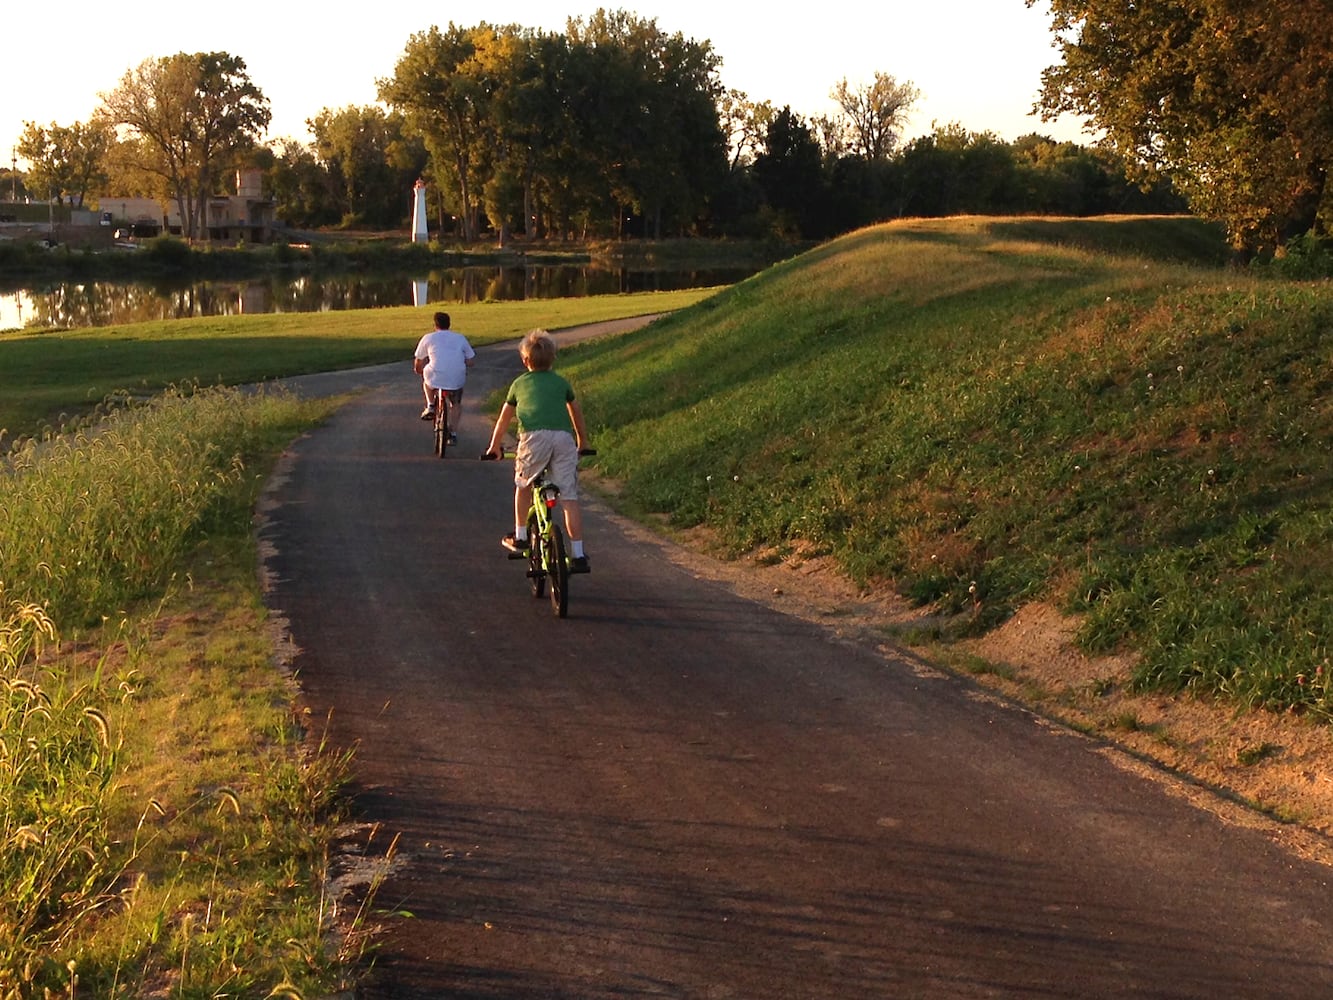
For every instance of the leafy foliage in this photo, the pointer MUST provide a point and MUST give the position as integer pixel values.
(66, 161)
(875, 113)
(190, 116)
(1231, 100)
(613, 115)
(370, 162)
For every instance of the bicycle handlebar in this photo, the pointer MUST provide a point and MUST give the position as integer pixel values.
(490, 456)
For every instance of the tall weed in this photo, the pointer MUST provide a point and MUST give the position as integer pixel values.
(163, 832)
(57, 763)
(102, 516)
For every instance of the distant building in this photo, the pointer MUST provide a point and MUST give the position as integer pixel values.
(141, 216)
(246, 215)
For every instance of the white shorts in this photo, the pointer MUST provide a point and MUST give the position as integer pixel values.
(556, 450)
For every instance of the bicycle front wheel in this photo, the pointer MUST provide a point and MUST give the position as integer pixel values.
(558, 569)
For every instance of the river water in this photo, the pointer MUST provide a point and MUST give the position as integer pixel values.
(70, 305)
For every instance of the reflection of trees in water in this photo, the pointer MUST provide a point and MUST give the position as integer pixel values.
(104, 303)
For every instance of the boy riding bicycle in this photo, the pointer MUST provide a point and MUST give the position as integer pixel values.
(551, 433)
(442, 359)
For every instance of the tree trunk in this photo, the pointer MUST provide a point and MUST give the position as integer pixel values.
(183, 210)
(529, 229)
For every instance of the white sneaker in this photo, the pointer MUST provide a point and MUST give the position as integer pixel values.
(428, 414)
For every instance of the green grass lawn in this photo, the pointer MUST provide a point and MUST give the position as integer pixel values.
(47, 375)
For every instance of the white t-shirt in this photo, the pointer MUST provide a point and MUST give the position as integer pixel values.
(447, 354)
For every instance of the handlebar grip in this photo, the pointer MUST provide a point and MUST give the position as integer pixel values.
(587, 451)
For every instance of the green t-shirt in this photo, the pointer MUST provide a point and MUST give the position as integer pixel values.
(540, 400)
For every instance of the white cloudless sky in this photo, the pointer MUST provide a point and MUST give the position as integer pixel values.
(977, 63)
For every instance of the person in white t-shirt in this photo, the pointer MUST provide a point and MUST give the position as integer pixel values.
(442, 359)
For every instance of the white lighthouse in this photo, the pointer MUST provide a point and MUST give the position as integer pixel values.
(419, 234)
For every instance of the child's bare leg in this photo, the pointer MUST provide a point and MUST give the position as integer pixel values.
(522, 503)
(573, 520)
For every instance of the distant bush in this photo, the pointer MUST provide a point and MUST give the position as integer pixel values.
(1304, 258)
(167, 251)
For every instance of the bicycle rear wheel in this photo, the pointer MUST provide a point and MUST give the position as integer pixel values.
(536, 572)
(558, 570)
(441, 423)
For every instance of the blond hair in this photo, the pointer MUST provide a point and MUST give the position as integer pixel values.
(538, 350)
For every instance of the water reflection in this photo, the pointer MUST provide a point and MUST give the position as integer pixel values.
(66, 306)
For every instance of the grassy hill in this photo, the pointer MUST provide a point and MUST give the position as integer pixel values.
(980, 413)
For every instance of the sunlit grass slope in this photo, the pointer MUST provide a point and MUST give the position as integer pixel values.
(986, 412)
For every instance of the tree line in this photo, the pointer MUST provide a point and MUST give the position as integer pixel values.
(616, 128)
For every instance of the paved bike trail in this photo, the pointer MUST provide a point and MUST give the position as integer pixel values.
(677, 792)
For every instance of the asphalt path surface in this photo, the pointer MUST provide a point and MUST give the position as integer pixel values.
(678, 792)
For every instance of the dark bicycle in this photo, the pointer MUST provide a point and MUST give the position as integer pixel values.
(442, 401)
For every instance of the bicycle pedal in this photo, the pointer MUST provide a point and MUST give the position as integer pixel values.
(515, 555)
(535, 573)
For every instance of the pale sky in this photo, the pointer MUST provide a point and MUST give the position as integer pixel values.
(977, 63)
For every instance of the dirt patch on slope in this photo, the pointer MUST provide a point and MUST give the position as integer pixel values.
(1252, 768)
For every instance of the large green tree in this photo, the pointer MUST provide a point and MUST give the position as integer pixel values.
(303, 191)
(525, 126)
(370, 161)
(1230, 99)
(442, 89)
(745, 124)
(613, 118)
(790, 172)
(190, 117)
(66, 161)
(656, 121)
(875, 114)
